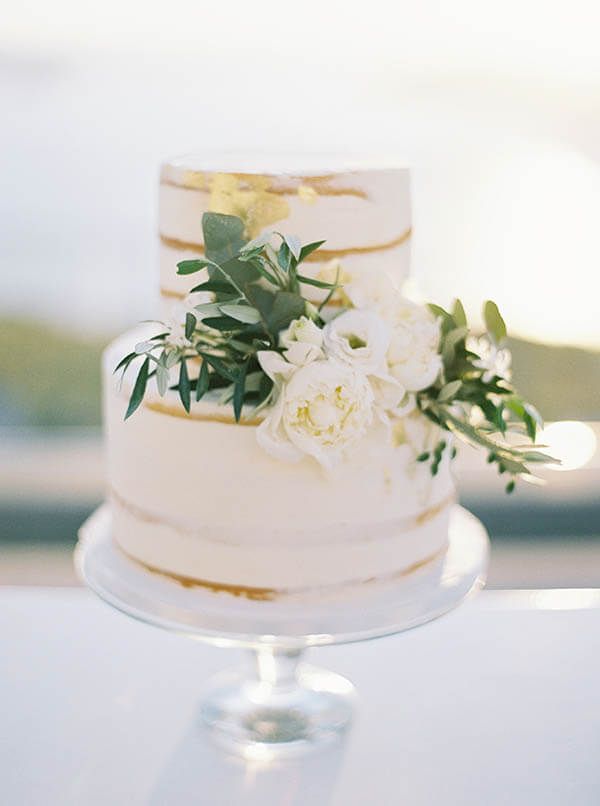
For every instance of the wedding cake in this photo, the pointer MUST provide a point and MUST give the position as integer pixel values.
(288, 429)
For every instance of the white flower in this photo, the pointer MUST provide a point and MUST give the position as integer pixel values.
(303, 341)
(373, 291)
(176, 324)
(493, 360)
(358, 338)
(322, 409)
(413, 356)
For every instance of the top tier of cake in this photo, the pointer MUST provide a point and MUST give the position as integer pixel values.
(363, 212)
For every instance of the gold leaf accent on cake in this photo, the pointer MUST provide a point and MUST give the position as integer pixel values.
(308, 188)
(307, 194)
(196, 180)
(248, 198)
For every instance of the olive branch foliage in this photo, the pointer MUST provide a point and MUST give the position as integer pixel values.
(485, 412)
(256, 293)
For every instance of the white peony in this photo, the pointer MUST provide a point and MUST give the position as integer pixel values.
(303, 341)
(322, 409)
(358, 338)
(413, 356)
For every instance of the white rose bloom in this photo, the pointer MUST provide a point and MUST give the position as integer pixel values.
(303, 341)
(372, 291)
(413, 356)
(322, 409)
(359, 338)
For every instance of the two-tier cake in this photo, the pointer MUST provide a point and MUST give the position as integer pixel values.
(290, 425)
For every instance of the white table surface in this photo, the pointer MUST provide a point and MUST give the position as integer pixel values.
(496, 703)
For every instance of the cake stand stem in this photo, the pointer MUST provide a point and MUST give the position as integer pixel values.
(277, 703)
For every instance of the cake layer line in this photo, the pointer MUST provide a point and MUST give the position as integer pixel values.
(270, 594)
(382, 532)
(320, 256)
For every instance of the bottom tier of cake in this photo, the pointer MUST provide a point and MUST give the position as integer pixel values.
(195, 497)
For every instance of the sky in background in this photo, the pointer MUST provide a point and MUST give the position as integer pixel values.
(496, 111)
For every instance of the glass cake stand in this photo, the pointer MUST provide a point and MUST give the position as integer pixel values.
(277, 704)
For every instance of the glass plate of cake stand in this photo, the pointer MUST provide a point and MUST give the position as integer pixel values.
(276, 702)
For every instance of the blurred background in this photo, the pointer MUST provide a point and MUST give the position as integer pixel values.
(497, 112)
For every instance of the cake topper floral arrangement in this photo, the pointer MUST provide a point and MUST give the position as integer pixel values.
(321, 375)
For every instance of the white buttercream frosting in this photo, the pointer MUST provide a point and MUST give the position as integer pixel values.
(197, 496)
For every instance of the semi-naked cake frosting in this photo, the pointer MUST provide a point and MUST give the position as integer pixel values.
(193, 495)
(363, 213)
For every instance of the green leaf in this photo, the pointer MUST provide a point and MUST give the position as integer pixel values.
(208, 309)
(224, 323)
(243, 313)
(190, 325)
(309, 249)
(258, 242)
(192, 266)
(238, 392)
(494, 322)
(219, 366)
(223, 236)
(287, 306)
(294, 245)
(448, 322)
(449, 390)
(125, 362)
(284, 256)
(217, 286)
(451, 341)
(203, 380)
(139, 388)
(317, 283)
(184, 386)
(172, 358)
(162, 379)
(458, 312)
(144, 347)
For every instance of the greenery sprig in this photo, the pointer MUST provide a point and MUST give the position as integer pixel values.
(474, 400)
(256, 295)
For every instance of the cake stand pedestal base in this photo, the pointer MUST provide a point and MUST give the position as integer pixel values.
(278, 705)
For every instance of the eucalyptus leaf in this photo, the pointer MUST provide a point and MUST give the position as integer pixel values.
(223, 236)
(287, 306)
